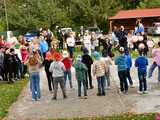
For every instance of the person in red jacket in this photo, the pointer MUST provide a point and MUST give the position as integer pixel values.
(67, 63)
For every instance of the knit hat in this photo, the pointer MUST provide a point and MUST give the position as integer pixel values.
(96, 55)
(65, 54)
(79, 58)
(85, 50)
(48, 56)
(57, 56)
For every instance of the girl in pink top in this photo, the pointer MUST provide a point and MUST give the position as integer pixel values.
(156, 62)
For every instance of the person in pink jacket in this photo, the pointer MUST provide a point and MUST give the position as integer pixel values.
(156, 62)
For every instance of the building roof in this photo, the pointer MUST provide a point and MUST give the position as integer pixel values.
(137, 13)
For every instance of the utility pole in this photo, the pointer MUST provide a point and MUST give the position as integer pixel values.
(6, 14)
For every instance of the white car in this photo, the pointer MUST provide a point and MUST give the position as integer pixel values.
(155, 29)
(66, 30)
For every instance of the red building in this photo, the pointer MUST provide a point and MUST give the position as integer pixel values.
(127, 18)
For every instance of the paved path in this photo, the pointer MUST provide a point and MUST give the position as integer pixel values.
(112, 103)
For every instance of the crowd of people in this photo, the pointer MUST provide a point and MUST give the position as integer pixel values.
(19, 58)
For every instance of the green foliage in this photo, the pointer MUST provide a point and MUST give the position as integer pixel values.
(9, 94)
(24, 15)
(149, 3)
(150, 116)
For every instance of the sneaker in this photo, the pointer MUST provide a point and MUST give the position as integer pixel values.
(54, 98)
(65, 97)
(145, 92)
(140, 92)
(103, 94)
(125, 92)
(131, 86)
(98, 94)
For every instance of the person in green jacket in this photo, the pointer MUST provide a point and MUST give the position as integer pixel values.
(81, 69)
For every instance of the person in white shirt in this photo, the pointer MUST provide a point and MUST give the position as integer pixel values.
(12, 39)
(87, 41)
(71, 44)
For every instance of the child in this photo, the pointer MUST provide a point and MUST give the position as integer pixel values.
(99, 70)
(80, 75)
(47, 62)
(108, 61)
(120, 61)
(129, 65)
(87, 60)
(141, 63)
(34, 62)
(57, 68)
(67, 63)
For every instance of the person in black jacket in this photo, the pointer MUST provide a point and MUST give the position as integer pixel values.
(87, 60)
(47, 62)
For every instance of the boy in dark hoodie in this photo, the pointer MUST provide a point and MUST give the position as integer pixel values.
(141, 64)
(87, 60)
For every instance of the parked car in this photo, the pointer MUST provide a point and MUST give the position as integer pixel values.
(155, 29)
(96, 30)
(29, 36)
(66, 30)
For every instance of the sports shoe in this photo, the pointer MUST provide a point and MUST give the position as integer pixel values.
(145, 92)
(54, 98)
(140, 92)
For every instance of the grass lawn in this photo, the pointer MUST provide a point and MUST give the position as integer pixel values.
(9, 94)
(149, 116)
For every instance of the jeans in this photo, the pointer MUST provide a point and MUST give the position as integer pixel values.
(67, 73)
(71, 50)
(84, 87)
(101, 81)
(35, 85)
(128, 76)
(142, 81)
(59, 80)
(123, 80)
(107, 76)
(151, 70)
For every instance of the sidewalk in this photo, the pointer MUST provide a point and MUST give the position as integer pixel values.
(111, 104)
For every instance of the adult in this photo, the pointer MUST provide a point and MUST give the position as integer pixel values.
(70, 44)
(43, 45)
(94, 41)
(156, 62)
(139, 28)
(12, 39)
(87, 41)
(122, 37)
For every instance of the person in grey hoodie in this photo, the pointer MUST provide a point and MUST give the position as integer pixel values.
(57, 69)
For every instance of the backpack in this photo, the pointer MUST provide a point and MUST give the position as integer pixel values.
(33, 60)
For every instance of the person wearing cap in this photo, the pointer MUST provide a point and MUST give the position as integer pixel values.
(120, 61)
(141, 64)
(87, 60)
(156, 62)
(81, 69)
(67, 63)
(99, 70)
(47, 62)
(57, 69)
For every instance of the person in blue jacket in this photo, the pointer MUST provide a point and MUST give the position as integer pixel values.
(141, 64)
(129, 65)
(120, 61)
(43, 45)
